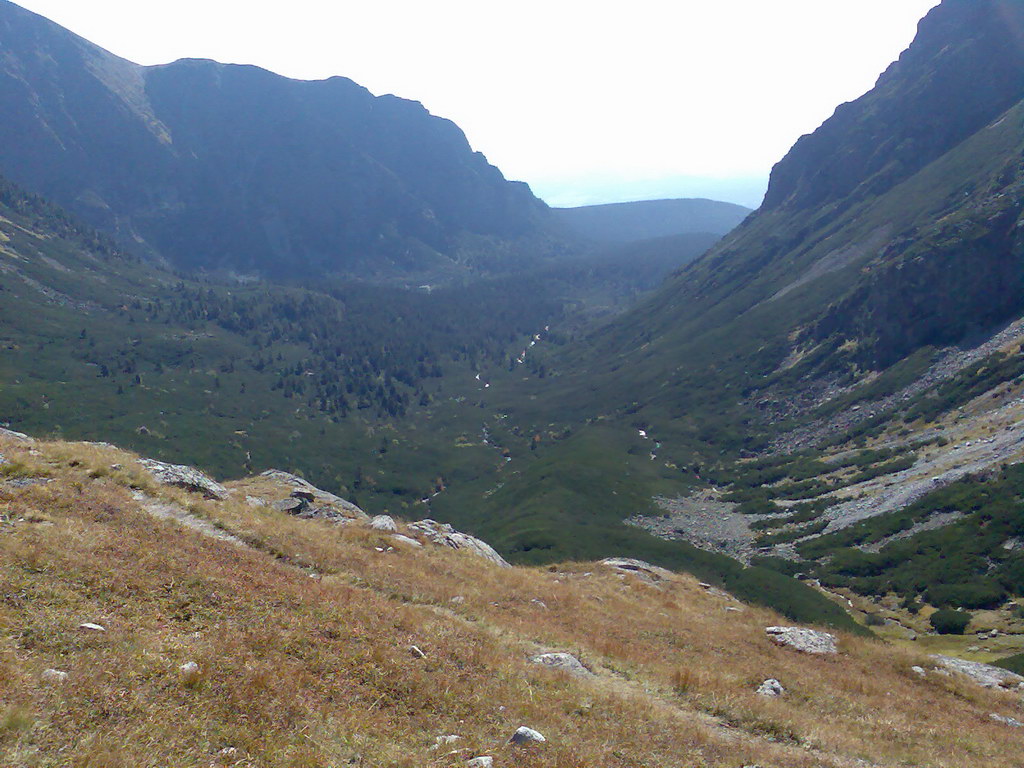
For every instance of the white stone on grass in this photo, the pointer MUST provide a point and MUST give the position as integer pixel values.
(564, 661)
(384, 523)
(803, 640)
(53, 676)
(771, 688)
(984, 675)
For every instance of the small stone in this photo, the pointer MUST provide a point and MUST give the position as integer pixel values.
(444, 741)
(90, 627)
(228, 752)
(919, 671)
(189, 669)
(771, 688)
(563, 661)
(401, 539)
(484, 761)
(415, 651)
(524, 735)
(117, 467)
(457, 600)
(1010, 721)
(53, 676)
(384, 523)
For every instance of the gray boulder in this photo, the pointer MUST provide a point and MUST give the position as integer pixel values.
(484, 761)
(189, 478)
(444, 535)
(401, 539)
(984, 675)
(384, 523)
(643, 570)
(305, 491)
(771, 688)
(21, 437)
(803, 640)
(564, 661)
(524, 735)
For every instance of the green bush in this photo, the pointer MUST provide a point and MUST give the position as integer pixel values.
(950, 622)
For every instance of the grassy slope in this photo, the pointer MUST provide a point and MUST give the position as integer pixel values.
(300, 671)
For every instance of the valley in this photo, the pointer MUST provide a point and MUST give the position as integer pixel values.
(810, 413)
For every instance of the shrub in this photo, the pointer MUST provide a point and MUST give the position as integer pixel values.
(950, 622)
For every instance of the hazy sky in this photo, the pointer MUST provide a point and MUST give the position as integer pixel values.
(587, 101)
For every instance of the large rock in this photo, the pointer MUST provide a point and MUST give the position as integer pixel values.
(189, 478)
(985, 675)
(444, 535)
(21, 437)
(771, 688)
(644, 570)
(563, 661)
(314, 501)
(384, 523)
(804, 640)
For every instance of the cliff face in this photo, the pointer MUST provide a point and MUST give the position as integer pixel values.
(232, 167)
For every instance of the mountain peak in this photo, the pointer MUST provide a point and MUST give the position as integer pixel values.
(966, 64)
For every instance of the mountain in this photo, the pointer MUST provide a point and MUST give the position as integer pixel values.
(148, 624)
(233, 168)
(835, 389)
(649, 219)
(892, 227)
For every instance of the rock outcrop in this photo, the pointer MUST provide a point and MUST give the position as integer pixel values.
(189, 478)
(646, 571)
(306, 500)
(444, 535)
(564, 661)
(803, 640)
(984, 675)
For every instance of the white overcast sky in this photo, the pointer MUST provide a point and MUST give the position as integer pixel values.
(588, 101)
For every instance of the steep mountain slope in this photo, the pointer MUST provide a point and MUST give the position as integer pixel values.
(851, 268)
(143, 624)
(234, 168)
(649, 219)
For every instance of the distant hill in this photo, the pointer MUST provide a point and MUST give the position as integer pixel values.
(228, 167)
(648, 219)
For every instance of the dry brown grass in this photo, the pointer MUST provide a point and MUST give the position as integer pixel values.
(302, 645)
